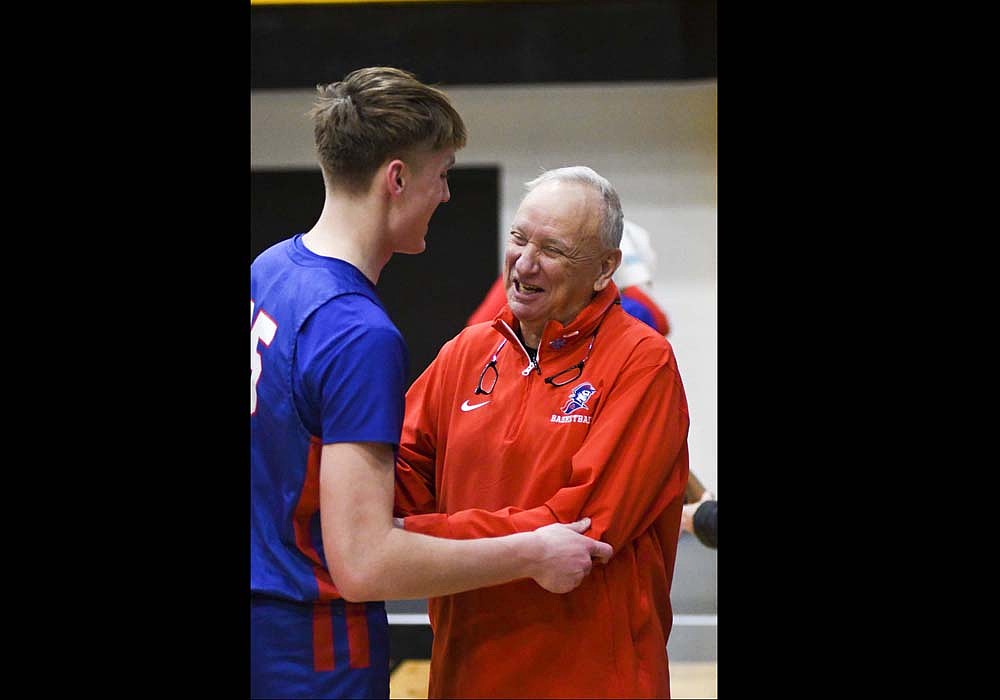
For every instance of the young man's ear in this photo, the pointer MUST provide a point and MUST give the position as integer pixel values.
(394, 176)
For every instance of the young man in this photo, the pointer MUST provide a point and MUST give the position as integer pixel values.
(327, 373)
(578, 409)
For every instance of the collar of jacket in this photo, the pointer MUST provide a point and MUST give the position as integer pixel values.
(557, 338)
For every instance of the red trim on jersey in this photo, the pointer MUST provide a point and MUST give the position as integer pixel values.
(307, 506)
(357, 634)
(323, 656)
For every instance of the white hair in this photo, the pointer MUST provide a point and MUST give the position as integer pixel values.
(610, 229)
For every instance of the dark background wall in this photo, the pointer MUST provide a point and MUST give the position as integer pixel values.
(294, 46)
(428, 296)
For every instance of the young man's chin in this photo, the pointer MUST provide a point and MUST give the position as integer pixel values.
(413, 249)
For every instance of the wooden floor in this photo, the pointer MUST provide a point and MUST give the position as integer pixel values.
(688, 679)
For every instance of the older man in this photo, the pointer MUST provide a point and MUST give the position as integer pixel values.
(562, 405)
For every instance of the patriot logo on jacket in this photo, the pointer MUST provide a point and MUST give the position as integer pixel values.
(578, 398)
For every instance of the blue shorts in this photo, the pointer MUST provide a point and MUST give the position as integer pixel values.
(332, 649)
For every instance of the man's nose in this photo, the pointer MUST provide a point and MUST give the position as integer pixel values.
(527, 260)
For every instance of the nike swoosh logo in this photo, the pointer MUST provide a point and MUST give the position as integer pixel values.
(472, 406)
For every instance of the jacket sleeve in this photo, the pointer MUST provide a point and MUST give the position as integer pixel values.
(415, 487)
(631, 465)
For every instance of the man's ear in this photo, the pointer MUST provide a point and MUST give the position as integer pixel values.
(395, 177)
(609, 264)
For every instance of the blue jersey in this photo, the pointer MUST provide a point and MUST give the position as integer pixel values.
(635, 308)
(326, 365)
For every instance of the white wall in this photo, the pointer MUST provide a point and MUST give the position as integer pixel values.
(656, 142)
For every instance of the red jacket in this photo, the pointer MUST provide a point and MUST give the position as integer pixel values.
(530, 454)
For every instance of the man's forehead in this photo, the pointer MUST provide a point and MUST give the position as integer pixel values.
(444, 158)
(556, 214)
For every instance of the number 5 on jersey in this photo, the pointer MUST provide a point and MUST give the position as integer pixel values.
(262, 329)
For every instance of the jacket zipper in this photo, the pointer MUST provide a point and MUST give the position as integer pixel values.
(514, 428)
(532, 364)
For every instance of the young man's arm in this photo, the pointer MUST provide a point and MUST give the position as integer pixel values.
(369, 559)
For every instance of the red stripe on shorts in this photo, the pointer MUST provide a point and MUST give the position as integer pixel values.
(357, 634)
(322, 638)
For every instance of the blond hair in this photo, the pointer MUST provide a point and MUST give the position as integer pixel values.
(375, 114)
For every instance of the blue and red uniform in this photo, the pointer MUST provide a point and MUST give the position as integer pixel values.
(327, 365)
